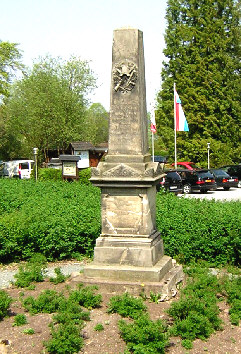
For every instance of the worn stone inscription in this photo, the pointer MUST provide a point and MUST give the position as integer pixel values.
(125, 126)
(130, 220)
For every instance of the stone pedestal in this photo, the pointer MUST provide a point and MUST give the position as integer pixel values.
(129, 247)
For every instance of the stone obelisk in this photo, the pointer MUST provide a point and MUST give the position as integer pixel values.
(129, 248)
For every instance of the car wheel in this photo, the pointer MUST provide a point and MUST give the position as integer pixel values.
(226, 188)
(204, 191)
(187, 189)
(239, 184)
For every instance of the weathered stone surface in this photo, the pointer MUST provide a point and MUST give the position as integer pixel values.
(129, 247)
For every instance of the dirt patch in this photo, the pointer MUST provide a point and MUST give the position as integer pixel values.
(13, 340)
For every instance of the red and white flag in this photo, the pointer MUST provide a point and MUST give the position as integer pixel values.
(153, 122)
(180, 119)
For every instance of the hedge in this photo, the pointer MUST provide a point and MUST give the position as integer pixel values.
(62, 220)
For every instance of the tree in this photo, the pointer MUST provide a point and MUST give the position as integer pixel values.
(10, 57)
(203, 58)
(46, 109)
(96, 128)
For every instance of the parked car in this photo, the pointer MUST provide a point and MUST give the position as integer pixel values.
(172, 182)
(17, 169)
(233, 170)
(197, 180)
(223, 179)
(186, 165)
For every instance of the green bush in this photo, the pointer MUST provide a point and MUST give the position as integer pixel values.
(144, 335)
(231, 288)
(196, 314)
(84, 176)
(86, 297)
(56, 219)
(48, 301)
(20, 320)
(33, 271)
(60, 277)
(5, 301)
(60, 220)
(99, 327)
(126, 305)
(49, 174)
(66, 338)
(194, 229)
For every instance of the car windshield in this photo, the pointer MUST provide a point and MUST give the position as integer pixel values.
(205, 174)
(220, 173)
(173, 175)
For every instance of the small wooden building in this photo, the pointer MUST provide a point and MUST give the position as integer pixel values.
(89, 154)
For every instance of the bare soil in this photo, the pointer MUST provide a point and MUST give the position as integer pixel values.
(13, 340)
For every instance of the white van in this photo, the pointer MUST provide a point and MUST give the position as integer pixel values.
(18, 168)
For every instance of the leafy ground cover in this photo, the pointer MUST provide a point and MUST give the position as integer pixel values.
(68, 317)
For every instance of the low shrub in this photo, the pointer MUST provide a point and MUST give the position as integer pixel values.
(86, 297)
(5, 301)
(99, 327)
(60, 277)
(20, 320)
(126, 305)
(144, 335)
(196, 314)
(66, 338)
(48, 301)
(49, 174)
(231, 288)
(33, 271)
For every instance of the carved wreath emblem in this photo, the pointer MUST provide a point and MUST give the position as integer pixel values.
(124, 76)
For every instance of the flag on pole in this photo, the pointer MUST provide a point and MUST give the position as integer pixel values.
(153, 122)
(180, 119)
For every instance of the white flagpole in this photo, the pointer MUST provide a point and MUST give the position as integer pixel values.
(175, 132)
(152, 140)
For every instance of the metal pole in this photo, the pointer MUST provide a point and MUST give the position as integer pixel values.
(152, 139)
(175, 132)
(35, 152)
(208, 155)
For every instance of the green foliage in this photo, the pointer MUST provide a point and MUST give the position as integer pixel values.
(84, 176)
(203, 58)
(48, 301)
(231, 288)
(189, 235)
(33, 271)
(56, 219)
(144, 336)
(99, 327)
(47, 107)
(60, 277)
(196, 314)
(85, 296)
(10, 57)
(49, 174)
(126, 305)
(29, 331)
(154, 297)
(5, 301)
(20, 320)
(70, 311)
(66, 338)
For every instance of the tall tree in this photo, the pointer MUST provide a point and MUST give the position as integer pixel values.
(203, 58)
(10, 60)
(46, 109)
(96, 127)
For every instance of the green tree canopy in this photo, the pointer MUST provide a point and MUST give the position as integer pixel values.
(47, 108)
(203, 59)
(97, 120)
(10, 57)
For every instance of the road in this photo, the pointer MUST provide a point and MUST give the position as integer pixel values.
(219, 194)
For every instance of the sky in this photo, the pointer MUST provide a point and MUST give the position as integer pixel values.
(84, 28)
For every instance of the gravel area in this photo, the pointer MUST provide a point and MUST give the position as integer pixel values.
(7, 272)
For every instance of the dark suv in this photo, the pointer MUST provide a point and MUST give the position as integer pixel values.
(197, 180)
(233, 170)
(172, 182)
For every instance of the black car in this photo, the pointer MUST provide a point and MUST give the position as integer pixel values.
(197, 180)
(223, 179)
(233, 171)
(172, 182)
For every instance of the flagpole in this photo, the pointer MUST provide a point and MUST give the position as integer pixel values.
(175, 131)
(152, 140)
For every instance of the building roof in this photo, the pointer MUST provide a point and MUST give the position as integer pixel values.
(86, 146)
